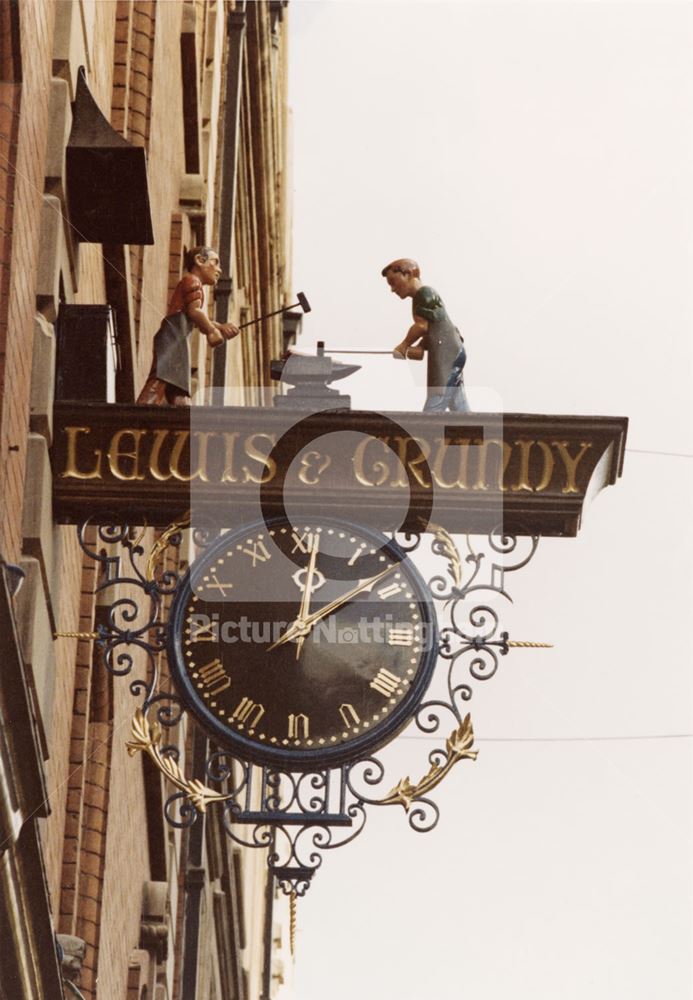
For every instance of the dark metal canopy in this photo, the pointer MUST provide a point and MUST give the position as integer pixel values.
(107, 190)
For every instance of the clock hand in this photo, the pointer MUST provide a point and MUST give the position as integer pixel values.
(339, 601)
(307, 590)
(303, 626)
(296, 628)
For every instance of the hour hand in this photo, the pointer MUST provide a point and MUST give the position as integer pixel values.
(301, 627)
(307, 590)
(298, 629)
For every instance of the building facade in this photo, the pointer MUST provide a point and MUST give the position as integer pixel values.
(130, 131)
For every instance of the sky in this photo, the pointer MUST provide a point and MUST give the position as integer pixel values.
(537, 160)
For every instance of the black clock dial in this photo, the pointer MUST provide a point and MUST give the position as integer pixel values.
(287, 666)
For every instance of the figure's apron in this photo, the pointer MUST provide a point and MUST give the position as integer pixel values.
(172, 351)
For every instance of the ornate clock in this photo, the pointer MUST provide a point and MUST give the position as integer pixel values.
(302, 647)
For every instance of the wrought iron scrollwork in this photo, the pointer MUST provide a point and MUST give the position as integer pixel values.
(296, 816)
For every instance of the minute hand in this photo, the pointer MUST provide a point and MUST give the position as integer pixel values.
(302, 627)
(339, 601)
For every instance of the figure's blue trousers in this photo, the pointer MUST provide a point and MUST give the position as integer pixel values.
(453, 396)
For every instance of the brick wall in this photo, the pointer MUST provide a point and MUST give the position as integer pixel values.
(135, 35)
(67, 653)
(9, 127)
(95, 842)
(102, 846)
(78, 756)
(88, 793)
(36, 29)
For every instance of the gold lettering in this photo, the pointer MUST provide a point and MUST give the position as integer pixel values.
(360, 549)
(497, 472)
(379, 468)
(202, 442)
(298, 726)
(402, 452)
(523, 482)
(385, 682)
(304, 542)
(115, 455)
(571, 463)
(403, 636)
(350, 716)
(176, 452)
(313, 464)
(154, 470)
(217, 584)
(548, 467)
(247, 707)
(71, 470)
(215, 678)
(258, 552)
(181, 438)
(444, 449)
(258, 456)
(200, 446)
(201, 631)
(230, 438)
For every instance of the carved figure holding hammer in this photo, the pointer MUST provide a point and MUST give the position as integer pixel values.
(168, 383)
(434, 332)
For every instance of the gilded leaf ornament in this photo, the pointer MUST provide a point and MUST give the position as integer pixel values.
(162, 543)
(457, 747)
(446, 547)
(146, 738)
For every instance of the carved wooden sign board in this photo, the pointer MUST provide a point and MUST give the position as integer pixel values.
(523, 473)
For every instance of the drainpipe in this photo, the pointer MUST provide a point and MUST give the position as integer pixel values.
(194, 877)
(235, 33)
(269, 913)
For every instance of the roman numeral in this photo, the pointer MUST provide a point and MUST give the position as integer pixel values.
(258, 552)
(389, 591)
(349, 715)
(357, 554)
(401, 636)
(202, 632)
(385, 683)
(214, 677)
(304, 542)
(298, 727)
(218, 584)
(245, 708)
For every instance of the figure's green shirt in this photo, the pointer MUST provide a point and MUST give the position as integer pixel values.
(443, 340)
(428, 304)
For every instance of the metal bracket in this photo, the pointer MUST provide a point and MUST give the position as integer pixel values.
(302, 815)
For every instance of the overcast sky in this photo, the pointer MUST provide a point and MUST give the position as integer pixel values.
(537, 160)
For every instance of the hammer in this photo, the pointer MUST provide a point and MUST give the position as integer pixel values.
(302, 302)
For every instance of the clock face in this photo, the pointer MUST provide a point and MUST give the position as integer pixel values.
(302, 646)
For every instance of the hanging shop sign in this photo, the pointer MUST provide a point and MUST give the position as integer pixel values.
(303, 637)
(464, 472)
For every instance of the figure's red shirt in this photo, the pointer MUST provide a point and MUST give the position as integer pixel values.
(189, 294)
